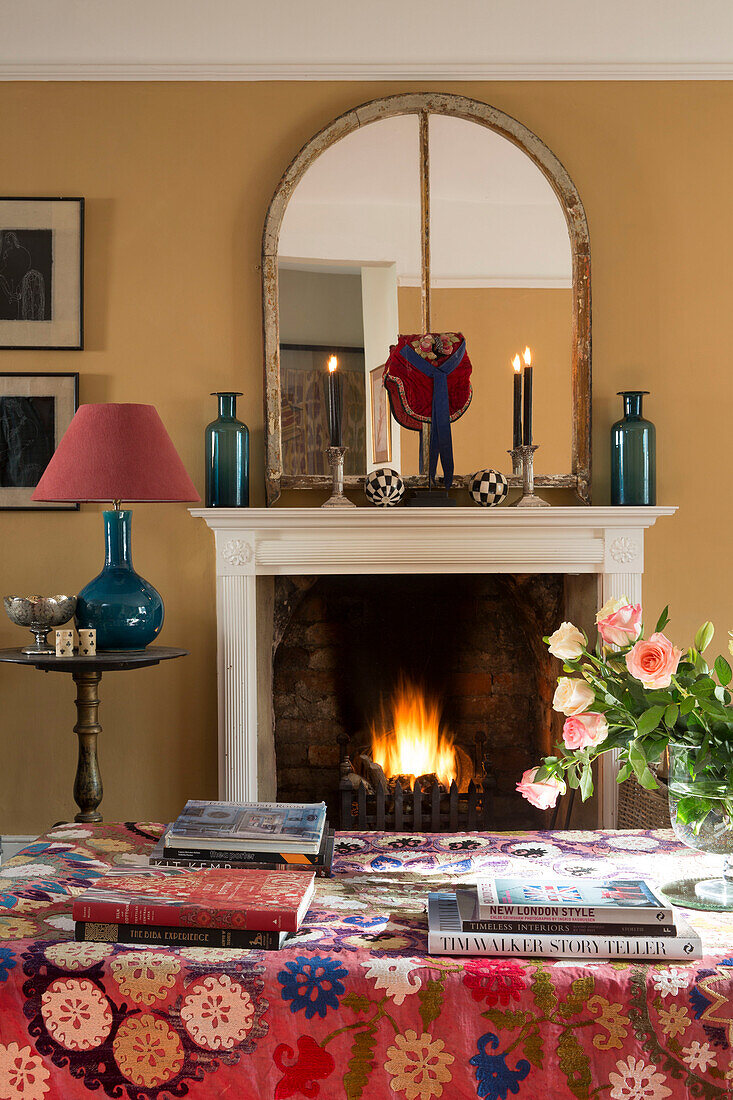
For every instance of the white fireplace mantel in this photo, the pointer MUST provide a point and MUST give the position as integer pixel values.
(253, 543)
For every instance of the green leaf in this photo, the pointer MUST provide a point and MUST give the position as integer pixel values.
(532, 1049)
(358, 1001)
(649, 720)
(431, 998)
(360, 1064)
(543, 992)
(575, 1064)
(671, 715)
(662, 620)
(688, 705)
(507, 1019)
(723, 671)
(647, 780)
(586, 782)
(624, 773)
(704, 637)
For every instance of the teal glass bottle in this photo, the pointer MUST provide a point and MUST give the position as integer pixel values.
(227, 457)
(124, 609)
(633, 454)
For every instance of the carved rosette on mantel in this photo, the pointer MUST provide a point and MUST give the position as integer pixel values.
(254, 544)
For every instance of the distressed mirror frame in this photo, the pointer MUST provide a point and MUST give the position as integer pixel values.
(423, 105)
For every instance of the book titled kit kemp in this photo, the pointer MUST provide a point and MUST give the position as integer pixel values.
(262, 901)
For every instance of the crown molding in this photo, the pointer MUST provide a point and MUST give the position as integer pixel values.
(326, 70)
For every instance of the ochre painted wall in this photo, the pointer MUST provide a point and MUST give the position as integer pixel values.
(177, 179)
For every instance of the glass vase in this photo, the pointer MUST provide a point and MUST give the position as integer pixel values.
(633, 454)
(125, 610)
(227, 457)
(701, 810)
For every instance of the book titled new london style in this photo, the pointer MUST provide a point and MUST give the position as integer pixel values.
(250, 826)
(614, 901)
(446, 936)
(260, 901)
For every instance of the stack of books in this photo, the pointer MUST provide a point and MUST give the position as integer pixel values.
(212, 907)
(621, 919)
(222, 875)
(261, 836)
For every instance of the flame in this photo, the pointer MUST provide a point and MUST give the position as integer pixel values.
(333, 364)
(527, 356)
(517, 364)
(409, 739)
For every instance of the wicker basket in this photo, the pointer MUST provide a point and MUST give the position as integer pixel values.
(639, 808)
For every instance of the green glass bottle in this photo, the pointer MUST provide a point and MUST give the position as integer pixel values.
(227, 457)
(633, 454)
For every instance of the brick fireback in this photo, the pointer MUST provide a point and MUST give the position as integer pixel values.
(341, 642)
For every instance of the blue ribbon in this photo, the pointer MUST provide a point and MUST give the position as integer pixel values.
(441, 442)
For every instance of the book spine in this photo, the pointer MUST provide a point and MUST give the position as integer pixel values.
(586, 915)
(174, 937)
(181, 916)
(198, 864)
(566, 928)
(238, 858)
(566, 947)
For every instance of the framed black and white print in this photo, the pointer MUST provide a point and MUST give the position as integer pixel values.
(41, 273)
(35, 411)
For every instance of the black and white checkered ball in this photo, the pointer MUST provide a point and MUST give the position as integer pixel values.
(488, 487)
(384, 487)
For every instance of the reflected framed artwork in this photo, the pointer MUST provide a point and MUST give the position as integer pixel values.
(381, 434)
(41, 273)
(35, 411)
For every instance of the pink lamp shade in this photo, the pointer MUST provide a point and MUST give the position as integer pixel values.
(116, 452)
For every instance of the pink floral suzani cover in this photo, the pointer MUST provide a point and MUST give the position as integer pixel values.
(353, 1007)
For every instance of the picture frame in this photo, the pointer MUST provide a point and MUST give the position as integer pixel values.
(41, 273)
(380, 418)
(35, 411)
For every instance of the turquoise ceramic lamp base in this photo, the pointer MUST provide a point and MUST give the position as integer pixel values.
(124, 609)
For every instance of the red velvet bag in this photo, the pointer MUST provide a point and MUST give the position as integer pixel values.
(428, 381)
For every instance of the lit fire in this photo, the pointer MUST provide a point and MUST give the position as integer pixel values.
(333, 364)
(408, 740)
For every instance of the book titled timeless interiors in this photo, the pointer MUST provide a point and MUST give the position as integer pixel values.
(260, 901)
(231, 826)
(447, 937)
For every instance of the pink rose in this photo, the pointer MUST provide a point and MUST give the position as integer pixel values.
(621, 624)
(654, 662)
(581, 731)
(543, 795)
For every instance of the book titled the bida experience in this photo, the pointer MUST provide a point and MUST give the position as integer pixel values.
(262, 901)
(446, 937)
(612, 901)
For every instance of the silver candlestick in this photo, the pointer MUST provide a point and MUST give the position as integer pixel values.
(528, 498)
(516, 460)
(338, 498)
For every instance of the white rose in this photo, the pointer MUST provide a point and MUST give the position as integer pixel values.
(567, 642)
(572, 696)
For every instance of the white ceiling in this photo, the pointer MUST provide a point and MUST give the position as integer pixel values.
(343, 39)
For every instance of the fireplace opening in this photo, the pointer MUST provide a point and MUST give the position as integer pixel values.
(456, 663)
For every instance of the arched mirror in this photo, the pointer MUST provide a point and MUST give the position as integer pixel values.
(415, 214)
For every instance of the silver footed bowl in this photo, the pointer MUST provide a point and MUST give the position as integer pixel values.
(40, 614)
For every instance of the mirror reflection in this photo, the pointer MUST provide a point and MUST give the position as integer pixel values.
(351, 275)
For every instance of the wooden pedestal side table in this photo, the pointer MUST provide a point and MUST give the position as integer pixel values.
(86, 673)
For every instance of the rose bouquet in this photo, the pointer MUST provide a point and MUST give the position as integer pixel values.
(641, 696)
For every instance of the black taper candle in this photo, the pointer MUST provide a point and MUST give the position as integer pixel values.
(517, 421)
(527, 385)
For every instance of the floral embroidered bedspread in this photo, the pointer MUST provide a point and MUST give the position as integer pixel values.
(353, 1007)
